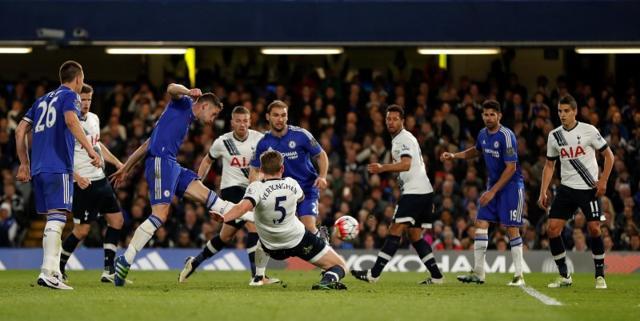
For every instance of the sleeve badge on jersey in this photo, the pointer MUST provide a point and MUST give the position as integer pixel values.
(510, 151)
(404, 147)
(76, 104)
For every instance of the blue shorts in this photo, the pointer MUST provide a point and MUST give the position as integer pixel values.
(506, 207)
(166, 178)
(53, 191)
(308, 206)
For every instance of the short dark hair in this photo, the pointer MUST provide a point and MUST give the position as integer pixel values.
(270, 162)
(396, 109)
(69, 70)
(568, 100)
(492, 104)
(86, 89)
(211, 99)
(240, 110)
(277, 104)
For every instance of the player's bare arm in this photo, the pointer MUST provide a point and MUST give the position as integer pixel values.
(471, 152)
(402, 166)
(177, 91)
(120, 175)
(83, 182)
(238, 210)
(508, 172)
(73, 123)
(24, 171)
(109, 157)
(606, 171)
(547, 174)
(323, 167)
(205, 165)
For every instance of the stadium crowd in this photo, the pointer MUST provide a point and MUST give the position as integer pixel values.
(345, 112)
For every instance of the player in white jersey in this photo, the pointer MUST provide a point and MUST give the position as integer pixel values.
(235, 149)
(274, 200)
(414, 209)
(575, 144)
(93, 195)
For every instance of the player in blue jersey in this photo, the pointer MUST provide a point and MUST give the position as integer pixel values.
(503, 201)
(54, 120)
(298, 147)
(164, 175)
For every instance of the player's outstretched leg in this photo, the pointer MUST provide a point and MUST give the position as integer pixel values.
(556, 246)
(334, 270)
(388, 250)
(480, 244)
(50, 275)
(70, 244)
(110, 246)
(212, 247)
(426, 256)
(141, 237)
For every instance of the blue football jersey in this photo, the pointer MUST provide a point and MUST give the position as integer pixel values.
(53, 142)
(497, 149)
(171, 129)
(297, 147)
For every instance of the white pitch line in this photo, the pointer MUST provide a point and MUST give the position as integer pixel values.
(540, 297)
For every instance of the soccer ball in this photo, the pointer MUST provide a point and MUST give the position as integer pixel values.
(346, 228)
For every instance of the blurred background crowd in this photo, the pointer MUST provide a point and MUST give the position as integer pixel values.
(345, 112)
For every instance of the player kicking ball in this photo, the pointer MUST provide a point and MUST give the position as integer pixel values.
(274, 200)
(164, 175)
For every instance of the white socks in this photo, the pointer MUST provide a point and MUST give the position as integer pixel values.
(52, 243)
(516, 254)
(479, 250)
(262, 259)
(141, 237)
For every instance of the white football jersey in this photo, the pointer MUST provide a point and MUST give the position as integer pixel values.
(275, 202)
(415, 180)
(576, 150)
(81, 160)
(236, 156)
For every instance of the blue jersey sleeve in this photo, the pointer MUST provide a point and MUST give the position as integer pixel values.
(509, 145)
(478, 140)
(310, 144)
(260, 148)
(183, 102)
(70, 102)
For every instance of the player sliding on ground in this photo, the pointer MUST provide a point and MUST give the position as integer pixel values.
(274, 200)
(164, 175)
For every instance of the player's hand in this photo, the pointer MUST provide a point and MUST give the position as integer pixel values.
(543, 201)
(486, 197)
(95, 158)
(446, 156)
(195, 92)
(320, 183)
(218, 217)
(24, 173)
(601, 188)
(83, 182)
(118, 177)
(374, 168)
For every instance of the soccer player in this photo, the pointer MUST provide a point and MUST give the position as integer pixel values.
(282, 235)
(235, 148)
(415, 207)
(164, 175)
(503, 201)
(297, 146)
(575, 143)
(93, 195)
(54, 120)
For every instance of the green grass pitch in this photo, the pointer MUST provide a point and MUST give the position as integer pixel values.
(219, 296)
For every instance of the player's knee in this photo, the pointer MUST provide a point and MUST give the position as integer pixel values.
(594, 229)
(115, 220)
(81, 231)
(397, 229)
(225, 238)
(554, 230)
